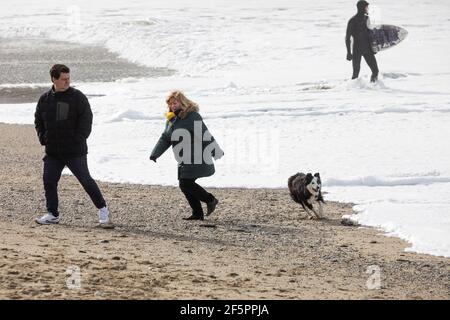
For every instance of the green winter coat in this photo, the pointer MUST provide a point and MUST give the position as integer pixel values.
(195, 166)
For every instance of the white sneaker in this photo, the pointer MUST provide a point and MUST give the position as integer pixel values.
(47, 219)
(103, 215)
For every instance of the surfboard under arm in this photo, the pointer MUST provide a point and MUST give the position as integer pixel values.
(386, 36)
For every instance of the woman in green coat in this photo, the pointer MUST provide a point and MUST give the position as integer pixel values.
(194, 148)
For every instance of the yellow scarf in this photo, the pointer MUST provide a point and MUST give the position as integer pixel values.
(170, 115)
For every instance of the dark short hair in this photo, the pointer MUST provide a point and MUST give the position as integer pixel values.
(362, 4)
(57, 69)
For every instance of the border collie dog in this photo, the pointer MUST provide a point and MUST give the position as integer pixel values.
(306, 190)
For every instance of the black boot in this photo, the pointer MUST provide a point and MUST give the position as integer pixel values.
(373, 78)
(194, 217)
(211, 206)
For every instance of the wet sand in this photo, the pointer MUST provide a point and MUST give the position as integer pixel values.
(28, 61)
(257, 245)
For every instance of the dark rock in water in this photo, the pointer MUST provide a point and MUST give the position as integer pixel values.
(393, 75)
(348, 222)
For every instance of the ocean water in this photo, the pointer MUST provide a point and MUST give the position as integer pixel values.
(273, 87)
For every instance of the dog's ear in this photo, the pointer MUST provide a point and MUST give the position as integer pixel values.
(309, 178)
(317, 175)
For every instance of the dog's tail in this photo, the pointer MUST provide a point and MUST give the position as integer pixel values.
(291, 179)
(291, 187)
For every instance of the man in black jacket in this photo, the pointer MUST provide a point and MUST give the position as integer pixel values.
(358, 28)
(63, 122)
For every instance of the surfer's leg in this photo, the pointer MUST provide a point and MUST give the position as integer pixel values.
(372, 63)
(356, 61)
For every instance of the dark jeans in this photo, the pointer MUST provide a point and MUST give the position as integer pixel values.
(53, 168)
(195, 194)
(371, 62)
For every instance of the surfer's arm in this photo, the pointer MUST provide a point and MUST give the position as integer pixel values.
(348, 35)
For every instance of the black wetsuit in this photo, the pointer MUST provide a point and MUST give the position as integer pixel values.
(357, 28)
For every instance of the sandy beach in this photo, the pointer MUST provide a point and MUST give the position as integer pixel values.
(257, 245)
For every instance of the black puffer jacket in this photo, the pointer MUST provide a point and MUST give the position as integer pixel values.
(63, 122)
(357, 28)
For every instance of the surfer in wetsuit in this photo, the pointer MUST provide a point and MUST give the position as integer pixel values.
(358, 28)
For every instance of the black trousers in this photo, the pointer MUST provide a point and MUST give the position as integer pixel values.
(371, 62)
(195, 195)
(53, 168)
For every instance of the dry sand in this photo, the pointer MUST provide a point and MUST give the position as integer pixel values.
(257, 245)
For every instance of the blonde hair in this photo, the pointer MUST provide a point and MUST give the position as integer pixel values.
(186, 104)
